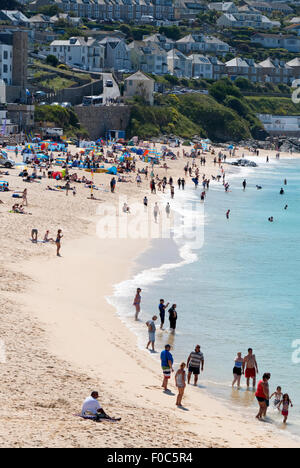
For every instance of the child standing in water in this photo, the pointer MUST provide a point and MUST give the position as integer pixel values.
(278, 397)
(286, 403)
(237, 370)
(180, 379)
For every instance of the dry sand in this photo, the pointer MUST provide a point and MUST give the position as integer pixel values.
(63, 339)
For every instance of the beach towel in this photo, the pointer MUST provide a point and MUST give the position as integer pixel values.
(94, 418)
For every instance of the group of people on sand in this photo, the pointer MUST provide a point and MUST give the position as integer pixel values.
(152, 326)
(47, 239)
(194, 364)
(162, 307)
(248, 366)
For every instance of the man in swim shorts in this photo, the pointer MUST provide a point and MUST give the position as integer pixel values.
(194, 362)
(250, 368)
(167, 365)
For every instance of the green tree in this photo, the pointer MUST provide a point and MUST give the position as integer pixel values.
(172, 32)
(244, 84)
(223, 88)
(50, 10)
(52, 60)
(237, 105)
(126, 30)
(172, 79)
(10, 5)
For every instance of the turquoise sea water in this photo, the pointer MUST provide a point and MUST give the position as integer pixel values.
(240, 290)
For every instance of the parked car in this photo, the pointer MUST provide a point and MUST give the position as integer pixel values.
(4, 161)
(43, 103)
(57, 132)
(55, 104)
(40, 94)
(66, 105)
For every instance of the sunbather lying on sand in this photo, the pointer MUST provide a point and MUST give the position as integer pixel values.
(18, 209)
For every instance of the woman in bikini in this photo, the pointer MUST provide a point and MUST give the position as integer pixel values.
(58, 242)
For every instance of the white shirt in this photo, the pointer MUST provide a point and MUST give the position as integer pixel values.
(90, 406)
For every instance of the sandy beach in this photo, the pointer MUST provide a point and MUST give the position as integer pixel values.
(62, 338)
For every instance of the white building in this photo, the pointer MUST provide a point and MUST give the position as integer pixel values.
(247, 17)
(202, 66)
(277, 41)
(6, 63)
(198, 43)
(79, 52)
(281, 125)
(223, 7)
(117, 53)
(139, 85)
(179, 64)
(148, 57)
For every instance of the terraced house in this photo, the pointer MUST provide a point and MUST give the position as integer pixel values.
(192, 43)
(79, 51)
(245, 17)
(126, 10)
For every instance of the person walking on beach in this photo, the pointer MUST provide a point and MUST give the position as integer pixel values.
(251, 367)
(112, 185)
(237, 370)
(180, 379)
(156, 212)
(263, 396)
(162, 312)
(277, 397)
(145, 203)
(58, 242)
(24, 197)
(228, 214)
(244, 184)
(173, 318)
(168, 210)
(151, 330)
(194, 362)
(137, 303)
(167, 360)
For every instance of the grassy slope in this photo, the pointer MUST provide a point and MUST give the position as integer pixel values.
(273, 105)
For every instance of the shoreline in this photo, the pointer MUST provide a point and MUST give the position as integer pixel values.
(71, 341)
(135, 376)
(161, 271)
